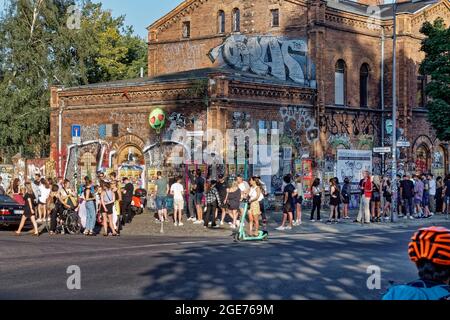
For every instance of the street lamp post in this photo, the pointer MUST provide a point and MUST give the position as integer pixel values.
(394, 115)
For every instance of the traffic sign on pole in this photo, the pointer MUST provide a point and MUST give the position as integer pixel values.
(382, 150)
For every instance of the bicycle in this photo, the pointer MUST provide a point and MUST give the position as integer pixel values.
(68, 220)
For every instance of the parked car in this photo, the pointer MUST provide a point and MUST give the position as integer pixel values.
(10, 212)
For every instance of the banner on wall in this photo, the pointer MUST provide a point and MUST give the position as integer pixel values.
(352, 163)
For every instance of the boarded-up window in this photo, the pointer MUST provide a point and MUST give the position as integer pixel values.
(186, 29)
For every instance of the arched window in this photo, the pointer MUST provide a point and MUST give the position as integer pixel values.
(236, 20)
(221, 21)
(339, 83)
(364, 85)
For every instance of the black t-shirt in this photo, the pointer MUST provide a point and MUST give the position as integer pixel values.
(128, 195)
(447, 185)
(407, 187)
(222, 190)
(200, 183)
(290, 190)
(32, 198)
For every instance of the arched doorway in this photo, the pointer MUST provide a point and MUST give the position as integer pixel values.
(422, 159)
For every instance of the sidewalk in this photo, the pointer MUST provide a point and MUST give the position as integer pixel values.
(145, 225)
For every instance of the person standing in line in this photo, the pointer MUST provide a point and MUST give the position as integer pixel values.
(407, 196)
(91, 212)
(199, 193)
(426, 197)
(432, 192)
(222, 189)
(361, 201)
(212, 202)
(418, 196)
(288, 204)
(190, 198)
(317, 192)
(439, 198)
(298, 200)
(338, 207)
(162, 190)
(400, 207)
(233, 201)
(261, 203)
(29, 212)
(346, 191)
(127, 198)
(376, 199)
(366, 189)
(387, 194)
(118, 200)
(107, 204)
(177, 191)
(44, 191)
(446, 193)
(334, 200)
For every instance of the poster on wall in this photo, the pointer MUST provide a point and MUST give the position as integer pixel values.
(352, 163)
(307, 175)
(7, 174)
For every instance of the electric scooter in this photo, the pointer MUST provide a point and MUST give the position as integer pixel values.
(241, 235)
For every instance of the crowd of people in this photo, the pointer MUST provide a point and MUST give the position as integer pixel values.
(106, 202)
(215, 202)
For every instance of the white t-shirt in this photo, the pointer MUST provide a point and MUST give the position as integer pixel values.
(244, 186)
(299, 189)
(44, 193)
(432, 183)
(177, 190)
(253, 193)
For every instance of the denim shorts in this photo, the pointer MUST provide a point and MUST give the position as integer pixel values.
(198, 198)
(161, 203)
(417, 201)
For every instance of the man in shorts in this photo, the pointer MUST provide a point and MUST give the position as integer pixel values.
(162, 189)
(177, 191)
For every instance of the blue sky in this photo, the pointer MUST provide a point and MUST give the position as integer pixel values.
(139, 13)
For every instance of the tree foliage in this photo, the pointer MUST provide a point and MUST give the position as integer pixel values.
(436, 64)
(38, 49)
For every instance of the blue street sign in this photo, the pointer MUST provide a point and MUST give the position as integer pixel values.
(76, 131)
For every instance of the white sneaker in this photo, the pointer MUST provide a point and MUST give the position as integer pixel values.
(175, 224)
(198, 222)
(411, 217)
(221, 223)
(189, 219)
(281, 228)
(209, 224)
(312, 220)
(405, 217)
(288, 228)
(194, 219)
(180, 224)
(299, 223)
(294, 223)
(233, 226)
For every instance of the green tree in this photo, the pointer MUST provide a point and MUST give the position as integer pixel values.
(436, 64)
(38, 49)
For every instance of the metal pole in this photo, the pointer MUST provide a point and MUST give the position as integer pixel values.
(394, 116)
(383, 127)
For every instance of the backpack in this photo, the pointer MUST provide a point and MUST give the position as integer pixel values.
(418, 290)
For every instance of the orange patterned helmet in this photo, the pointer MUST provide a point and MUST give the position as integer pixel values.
(432, 244)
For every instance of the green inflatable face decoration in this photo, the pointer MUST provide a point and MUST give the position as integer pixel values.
(157, 119)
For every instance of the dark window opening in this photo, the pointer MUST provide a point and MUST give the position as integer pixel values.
(275, 13)
(186, 29)
(236, 20)
(221, 21)
(364, 85)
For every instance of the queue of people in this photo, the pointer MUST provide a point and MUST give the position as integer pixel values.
(107, 203)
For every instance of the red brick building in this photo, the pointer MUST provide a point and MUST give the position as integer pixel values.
(311, 71)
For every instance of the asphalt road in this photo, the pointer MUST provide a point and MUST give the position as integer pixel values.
(299, 266)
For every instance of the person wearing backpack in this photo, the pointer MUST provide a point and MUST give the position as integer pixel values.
(430, 251)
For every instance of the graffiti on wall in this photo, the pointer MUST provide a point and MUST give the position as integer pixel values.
(356, 124)
(299, 122)
(241, 120)
(282, 58)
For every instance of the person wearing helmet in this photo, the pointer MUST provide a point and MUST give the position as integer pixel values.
(430, 251)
